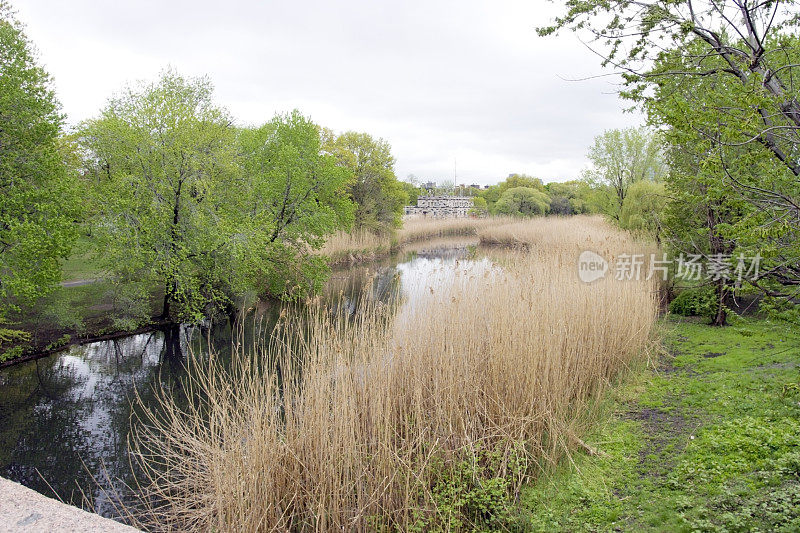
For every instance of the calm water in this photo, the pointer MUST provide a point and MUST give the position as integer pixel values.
(65, 419)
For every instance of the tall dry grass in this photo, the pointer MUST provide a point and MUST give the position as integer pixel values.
(416, 229)
(359, 245)
(581, 231)
(342, 424)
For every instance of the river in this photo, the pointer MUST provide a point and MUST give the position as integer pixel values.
(65, 418)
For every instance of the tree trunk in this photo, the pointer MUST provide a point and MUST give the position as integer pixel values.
(165, 305)
(169, 291)
(721, 316)
(172, 343)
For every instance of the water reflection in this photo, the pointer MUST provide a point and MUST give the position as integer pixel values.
(66, 418)
(70, 410)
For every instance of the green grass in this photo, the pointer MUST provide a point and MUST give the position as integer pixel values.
(80, 264)
(709, 441)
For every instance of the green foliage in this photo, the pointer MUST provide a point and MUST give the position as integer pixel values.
(711, 444)
(11, 353)
(493, 193)
(643, 208)
(130, 303)
(58, 310)
(780, 308)
(294, 195)
(479, 206)
(622, 158)
(412, 192)
(521, 180)
(473, 493)
(378, 195)
(38, 194)
(164, 179)
(523, 202)
(718, 80)
(700, 301)
(185, 202)
(10, 335)
(707, 215)
(58, 343)
(571, 198)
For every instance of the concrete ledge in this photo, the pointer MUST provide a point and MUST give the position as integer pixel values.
(23, 509)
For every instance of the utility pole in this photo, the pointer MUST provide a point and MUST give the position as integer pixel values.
(455, 174)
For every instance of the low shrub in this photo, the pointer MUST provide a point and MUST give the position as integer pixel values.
(700, 301)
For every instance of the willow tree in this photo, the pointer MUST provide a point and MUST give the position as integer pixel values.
(38, 195)
(294, 195)
(205, 212)
(620, 158)
(523, 202)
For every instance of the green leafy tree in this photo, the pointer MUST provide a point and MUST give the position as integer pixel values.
(620, 158)
(186, 203)
(479, 207)
(570, 198)
(295, 195)
(165, 175)
(374, 188)
(523, 202)
(721, 77)
(751, 192)
(643, 209)
(697, 220)
(522, 180)
(39, 203)
(490, 196)
(412, 192)
(493, 193)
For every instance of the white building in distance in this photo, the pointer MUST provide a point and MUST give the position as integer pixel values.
(441, 206)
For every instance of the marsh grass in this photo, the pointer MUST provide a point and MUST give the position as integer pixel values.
(362, 245)
(433, 418)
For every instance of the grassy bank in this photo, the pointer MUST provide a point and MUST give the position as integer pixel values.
(709, 440)
(75, 315)
(430, 419)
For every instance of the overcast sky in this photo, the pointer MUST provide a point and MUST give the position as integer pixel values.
(443, 82)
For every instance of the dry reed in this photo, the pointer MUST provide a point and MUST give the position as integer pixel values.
(362, 245)
(342, 424)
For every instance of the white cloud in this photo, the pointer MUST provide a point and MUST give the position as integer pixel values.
(441, 81)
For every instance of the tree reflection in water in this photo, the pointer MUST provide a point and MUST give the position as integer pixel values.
(66, 418)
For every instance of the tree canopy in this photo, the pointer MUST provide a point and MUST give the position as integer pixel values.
(295, 195)
(38, 194)
(493, 193)
(378, 195)
(185, 202)
(719, 80)
(621, 158)
(523, 202)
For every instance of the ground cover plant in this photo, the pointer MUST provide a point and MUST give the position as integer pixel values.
(706, 441)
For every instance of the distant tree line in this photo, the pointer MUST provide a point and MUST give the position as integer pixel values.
(625, 182)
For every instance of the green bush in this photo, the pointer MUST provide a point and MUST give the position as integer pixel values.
(11, 353)
(475, 493)
(700, 301)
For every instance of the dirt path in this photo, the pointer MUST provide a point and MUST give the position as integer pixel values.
(79, 282)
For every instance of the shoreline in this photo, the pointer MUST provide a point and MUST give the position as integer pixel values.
(54, 342)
